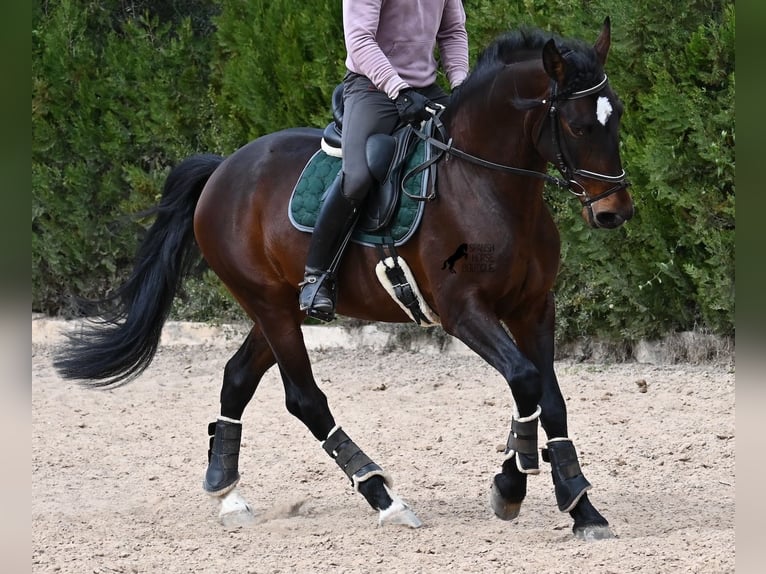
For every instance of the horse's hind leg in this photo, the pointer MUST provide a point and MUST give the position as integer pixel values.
(570, 485)
(308, 403)
(241, 376)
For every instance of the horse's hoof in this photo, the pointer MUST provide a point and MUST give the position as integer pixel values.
(399, 514)
(503, 509)
(594, 532)
(235, 511)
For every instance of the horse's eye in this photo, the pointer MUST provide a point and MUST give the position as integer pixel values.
(577, 130)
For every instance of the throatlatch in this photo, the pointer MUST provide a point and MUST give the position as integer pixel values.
(352, 460)
(223, 456)
(568, 480)
(522, 442)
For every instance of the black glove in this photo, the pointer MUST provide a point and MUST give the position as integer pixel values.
(411, 106)
(455, 94)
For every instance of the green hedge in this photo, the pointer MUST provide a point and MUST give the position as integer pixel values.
(123, 91)
(672, 267)
(116, 102)
(279, 61)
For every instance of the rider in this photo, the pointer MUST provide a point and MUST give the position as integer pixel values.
(390, 79)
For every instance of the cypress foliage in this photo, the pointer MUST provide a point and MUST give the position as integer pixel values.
(683, 156)
(279, 61)
(672, 267)
(116, 101)
(123, 90)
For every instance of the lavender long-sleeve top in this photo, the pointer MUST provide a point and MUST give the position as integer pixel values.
(392, 41)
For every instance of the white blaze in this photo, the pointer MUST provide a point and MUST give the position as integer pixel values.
(603, 110)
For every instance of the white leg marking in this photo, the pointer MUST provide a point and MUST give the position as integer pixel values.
(235, 511)
(398, 513)
(592, 533)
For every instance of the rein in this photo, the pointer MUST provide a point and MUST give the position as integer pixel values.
(562, 165)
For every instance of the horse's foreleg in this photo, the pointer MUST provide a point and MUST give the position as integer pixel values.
(509, 487)
(570, 488)
(570, 485)
(241, 376)
(478, 328)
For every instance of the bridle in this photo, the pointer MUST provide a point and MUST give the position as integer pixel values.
(567, 171)
(564, 166)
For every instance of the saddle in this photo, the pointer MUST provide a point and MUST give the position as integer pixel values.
(387, 157)
(401, 168)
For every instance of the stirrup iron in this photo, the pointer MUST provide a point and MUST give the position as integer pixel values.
(309, 288)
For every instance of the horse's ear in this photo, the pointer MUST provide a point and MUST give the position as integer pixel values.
(553, 62)
(604, 41)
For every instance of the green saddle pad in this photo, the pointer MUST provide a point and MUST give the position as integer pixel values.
(321, 170)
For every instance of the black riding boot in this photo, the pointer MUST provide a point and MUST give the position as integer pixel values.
(331, 233)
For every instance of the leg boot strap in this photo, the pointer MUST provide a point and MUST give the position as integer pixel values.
(223, 456)
(351, 459)
(522, 443)
(568, 480)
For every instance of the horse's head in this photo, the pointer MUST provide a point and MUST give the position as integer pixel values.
(582, 136)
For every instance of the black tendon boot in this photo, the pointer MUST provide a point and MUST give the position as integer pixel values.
(568, 480)
(331, 234)
(223, 456)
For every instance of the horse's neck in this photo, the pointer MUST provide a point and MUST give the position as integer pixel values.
(489, 126)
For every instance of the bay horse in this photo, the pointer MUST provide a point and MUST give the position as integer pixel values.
(532, 99)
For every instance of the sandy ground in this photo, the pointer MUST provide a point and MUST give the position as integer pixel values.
(117, 474)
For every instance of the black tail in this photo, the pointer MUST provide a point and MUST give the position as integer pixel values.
(116, 347)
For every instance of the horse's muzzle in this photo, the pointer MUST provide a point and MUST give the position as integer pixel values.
(608, 218)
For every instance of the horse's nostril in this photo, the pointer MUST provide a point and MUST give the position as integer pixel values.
(609, 219)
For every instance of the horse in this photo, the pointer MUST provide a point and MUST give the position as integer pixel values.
(532, 99)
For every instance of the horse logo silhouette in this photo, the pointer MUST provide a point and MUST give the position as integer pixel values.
(462, 251)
